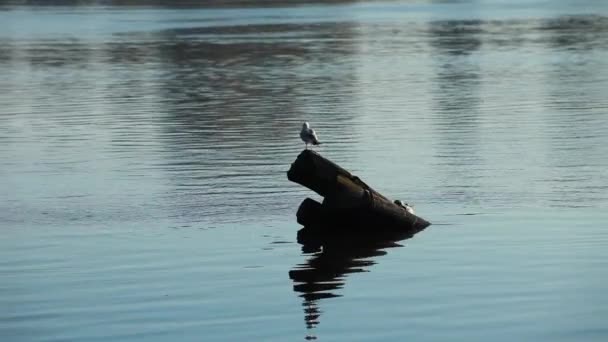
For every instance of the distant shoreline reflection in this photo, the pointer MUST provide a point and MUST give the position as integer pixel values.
(335, 256)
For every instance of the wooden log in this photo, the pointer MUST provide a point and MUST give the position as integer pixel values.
(378, 214)
(309, 213)
(348, 201)
(313, 171)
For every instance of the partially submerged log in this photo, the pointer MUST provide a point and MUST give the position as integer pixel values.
(349, 203)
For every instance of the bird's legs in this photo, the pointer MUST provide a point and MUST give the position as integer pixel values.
(307, 146)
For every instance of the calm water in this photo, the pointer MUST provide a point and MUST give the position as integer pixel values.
(143, 155)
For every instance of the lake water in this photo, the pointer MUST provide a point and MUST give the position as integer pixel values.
(143, 154)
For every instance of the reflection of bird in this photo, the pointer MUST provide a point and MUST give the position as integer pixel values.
(308, 135)
(407, 207)
(325, 273)
(344, 252)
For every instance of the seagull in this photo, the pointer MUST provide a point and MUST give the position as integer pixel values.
(308, 135)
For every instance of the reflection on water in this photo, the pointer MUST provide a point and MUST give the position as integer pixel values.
(244, 96)
(324, 272)
(185, 4)
(337, 252)
(457, 104)
(576, 126)
(217, 110)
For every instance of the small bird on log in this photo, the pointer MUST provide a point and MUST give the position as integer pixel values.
(308, 135)
(405, 206)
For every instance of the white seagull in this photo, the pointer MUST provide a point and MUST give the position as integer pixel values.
(308, 135)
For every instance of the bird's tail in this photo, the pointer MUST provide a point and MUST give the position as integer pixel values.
(317, 142)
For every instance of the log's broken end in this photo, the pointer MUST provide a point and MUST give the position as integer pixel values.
(305, 172)
(309, 212)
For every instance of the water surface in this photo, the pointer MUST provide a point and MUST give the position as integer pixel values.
(144, 151)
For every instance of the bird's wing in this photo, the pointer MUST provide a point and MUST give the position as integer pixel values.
(313, 135)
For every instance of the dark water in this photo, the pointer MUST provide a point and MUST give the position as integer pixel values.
(143, 155)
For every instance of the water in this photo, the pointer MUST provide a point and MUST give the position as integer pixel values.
(144, 151)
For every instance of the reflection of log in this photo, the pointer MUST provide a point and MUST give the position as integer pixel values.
(313, 237)
(348, 201)
(325, 272)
